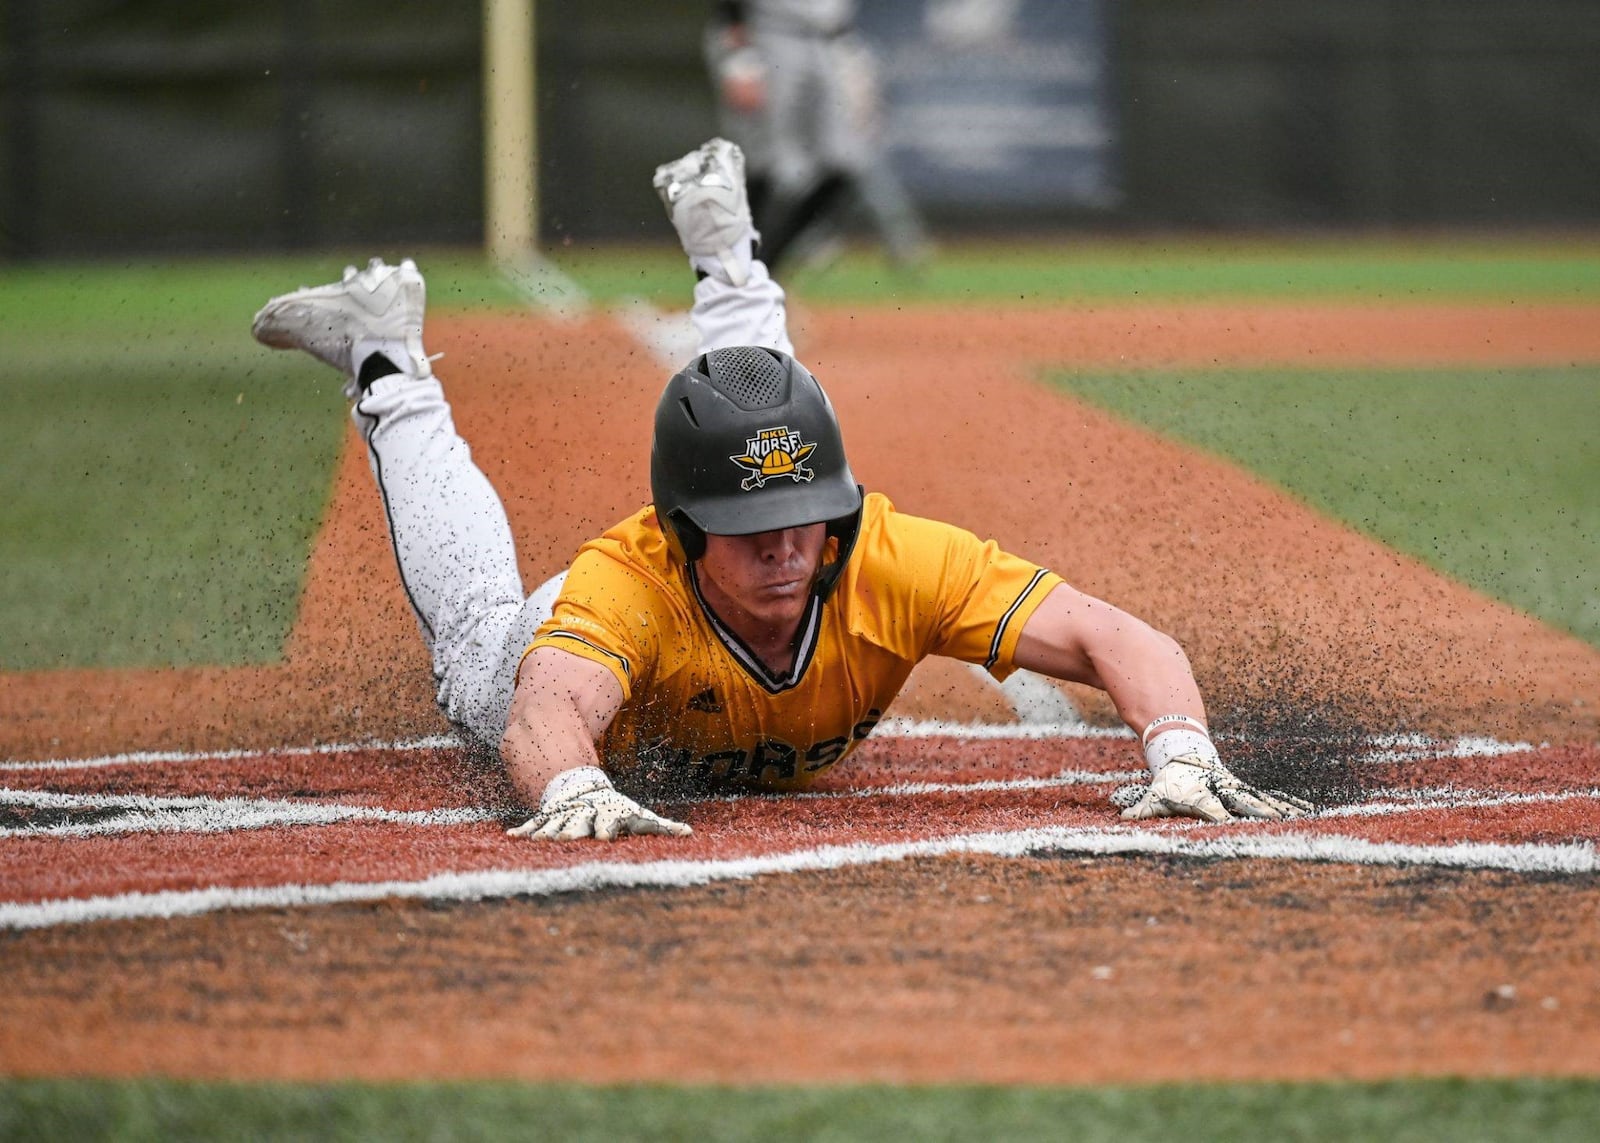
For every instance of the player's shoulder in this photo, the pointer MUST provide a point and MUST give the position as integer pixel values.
(633, 552)
(897, 550)
(884, 528)
(636, 539)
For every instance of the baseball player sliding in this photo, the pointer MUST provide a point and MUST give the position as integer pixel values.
(747, 628)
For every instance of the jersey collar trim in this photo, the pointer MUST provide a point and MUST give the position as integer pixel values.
(810, 629)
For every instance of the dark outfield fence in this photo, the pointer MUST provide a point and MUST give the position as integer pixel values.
(180, 125)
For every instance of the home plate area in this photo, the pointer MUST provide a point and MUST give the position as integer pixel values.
(153, 835)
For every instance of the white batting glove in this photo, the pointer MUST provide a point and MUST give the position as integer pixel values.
(706, 198)
(1191, 782)
(1193, 787)
(581, 802)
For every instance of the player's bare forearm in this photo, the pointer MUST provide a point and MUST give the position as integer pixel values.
(563, 703)
(1081, 639)
(561, 706)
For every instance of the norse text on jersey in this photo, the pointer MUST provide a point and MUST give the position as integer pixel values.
(769, 760)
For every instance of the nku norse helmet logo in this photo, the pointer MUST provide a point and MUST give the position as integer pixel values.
(772, 453)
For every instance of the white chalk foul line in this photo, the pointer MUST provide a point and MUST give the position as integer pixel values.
(1574, 858)
(670, 337)
(541, 284)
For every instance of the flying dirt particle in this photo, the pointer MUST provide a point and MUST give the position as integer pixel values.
(1282, 726)
(1499, 998)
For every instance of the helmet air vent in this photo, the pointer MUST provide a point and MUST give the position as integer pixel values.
(749, 377)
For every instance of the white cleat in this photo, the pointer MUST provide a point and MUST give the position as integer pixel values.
(376, 310)
(705, 197)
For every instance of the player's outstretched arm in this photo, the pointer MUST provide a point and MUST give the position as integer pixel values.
(562, 704)
(1081, 639)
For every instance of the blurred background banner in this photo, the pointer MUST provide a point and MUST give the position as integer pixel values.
(990, 103)
(170, 126)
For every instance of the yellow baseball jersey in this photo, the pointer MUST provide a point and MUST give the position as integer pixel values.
(702, 709)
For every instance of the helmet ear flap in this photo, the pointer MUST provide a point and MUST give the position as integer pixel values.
(845, 530)
(685, 535)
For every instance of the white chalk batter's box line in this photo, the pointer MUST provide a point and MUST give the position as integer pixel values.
(143, 813)
(121, 814)
(1573, 858)
(126, 814)
(201, 814)
(1383, 748)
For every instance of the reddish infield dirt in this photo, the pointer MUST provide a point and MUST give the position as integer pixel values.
(1060, 969)
(1075, 970)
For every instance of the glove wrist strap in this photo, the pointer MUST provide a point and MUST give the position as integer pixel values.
(571, 783)
(730, 266)
(1168, 722)
(1178, 744)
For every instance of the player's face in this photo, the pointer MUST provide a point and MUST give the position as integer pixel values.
(767, 577)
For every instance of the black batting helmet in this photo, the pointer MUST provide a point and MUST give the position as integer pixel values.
(746, 441)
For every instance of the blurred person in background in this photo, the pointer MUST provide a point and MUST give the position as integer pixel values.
(798, 90)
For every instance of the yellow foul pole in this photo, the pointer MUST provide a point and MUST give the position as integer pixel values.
(510, 143)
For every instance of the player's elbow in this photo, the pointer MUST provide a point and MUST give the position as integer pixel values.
(1160, 645)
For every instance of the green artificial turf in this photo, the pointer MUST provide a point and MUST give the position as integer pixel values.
(63, 320)
(164, 475)
(1550, 1111)
(159, 517)
(1489, 475)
